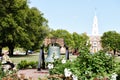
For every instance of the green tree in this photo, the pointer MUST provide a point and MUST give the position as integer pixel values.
(11, 20)
(110, 41)
(81, 41)
(74, 40)
(21, 26)
(77, 40)
(60, 33)
(36, 28)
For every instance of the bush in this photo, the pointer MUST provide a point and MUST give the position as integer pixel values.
(87, 66)
(24, 64)
(59, 66)
(6, 74)
(33, 64)
(2, 73)
(118, 71)
(99, 65)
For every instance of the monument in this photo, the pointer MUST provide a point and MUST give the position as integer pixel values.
(54, 47)
(53, 51)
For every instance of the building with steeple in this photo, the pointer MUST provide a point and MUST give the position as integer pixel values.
(95, 26)
(95, 37)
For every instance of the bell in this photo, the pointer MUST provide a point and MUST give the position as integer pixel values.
(53, 53)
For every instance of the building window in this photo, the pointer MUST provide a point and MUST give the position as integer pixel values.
(95, 44)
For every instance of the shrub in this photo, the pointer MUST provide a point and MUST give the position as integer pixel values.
(33, 64)
(2, 73)
(118, 71)
(59, 66)
(6, 74)
(24, 64)
(87, 66)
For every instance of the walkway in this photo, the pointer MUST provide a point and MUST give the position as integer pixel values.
(34, 74)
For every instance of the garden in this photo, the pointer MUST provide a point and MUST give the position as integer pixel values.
(86, 66)
(98, 66)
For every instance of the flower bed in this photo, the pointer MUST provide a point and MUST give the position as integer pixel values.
(86, 66)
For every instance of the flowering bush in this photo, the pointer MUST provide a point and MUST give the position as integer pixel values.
(89, 66)
(85, 67)
(59, 66)
(5, 73)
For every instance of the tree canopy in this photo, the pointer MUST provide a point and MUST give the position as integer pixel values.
(60, 33)
(111, 41)
(21, 26)
(72, 40)
(80, 41)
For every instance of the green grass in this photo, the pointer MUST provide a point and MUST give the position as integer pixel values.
(35, 57)
(117, 59)
(31, 57)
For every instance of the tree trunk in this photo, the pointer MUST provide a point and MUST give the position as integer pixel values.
(26, 53)
(114, 51)
(11, 49)
(0, 50)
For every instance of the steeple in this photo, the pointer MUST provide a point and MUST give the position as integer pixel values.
(95, 25)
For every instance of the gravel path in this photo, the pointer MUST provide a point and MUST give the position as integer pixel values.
(33, 73)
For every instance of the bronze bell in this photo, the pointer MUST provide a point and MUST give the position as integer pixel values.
(53, 53)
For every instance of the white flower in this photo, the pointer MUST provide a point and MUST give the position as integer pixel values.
(113, 77)
(108, 54)
(7, 67)
(67, 72)
(63, 61)
(50, 66)
(3, 61)
(74, 77)
(5, 70)
(56, 57)
(0, 58)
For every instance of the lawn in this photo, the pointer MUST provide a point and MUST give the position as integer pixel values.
(32, 57)
(35, 57)
(117, 59)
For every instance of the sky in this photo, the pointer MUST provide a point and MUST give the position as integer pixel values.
(77, 15)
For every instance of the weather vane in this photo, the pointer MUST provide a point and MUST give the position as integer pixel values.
(95, 10)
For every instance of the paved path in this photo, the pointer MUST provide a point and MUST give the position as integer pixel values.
(33, 73)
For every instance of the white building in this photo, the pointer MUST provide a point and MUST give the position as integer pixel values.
(95, 37)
